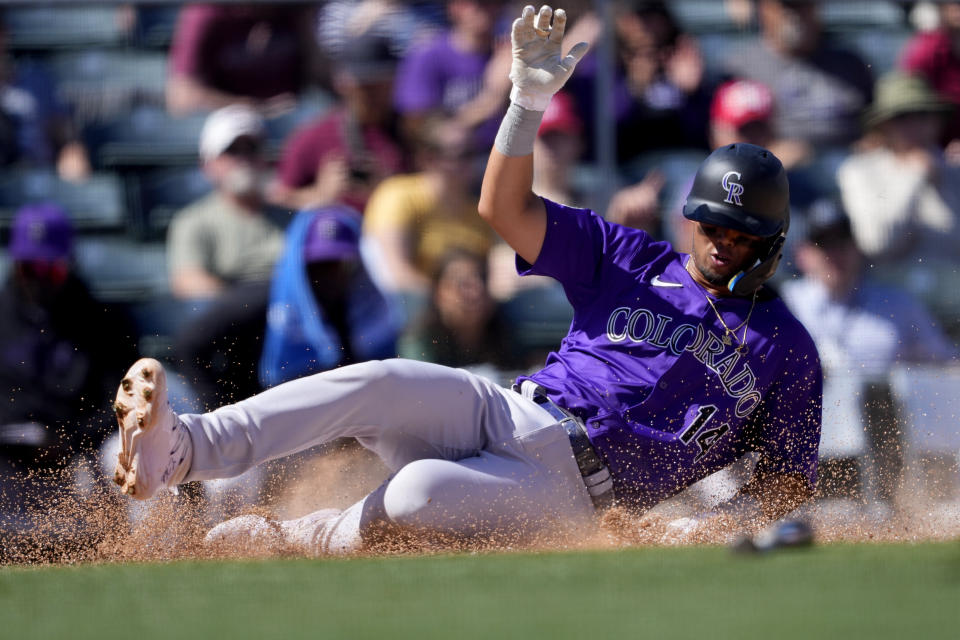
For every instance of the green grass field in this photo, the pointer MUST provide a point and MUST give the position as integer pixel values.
(833, 591)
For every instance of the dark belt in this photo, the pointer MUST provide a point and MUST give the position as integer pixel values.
(596, 475)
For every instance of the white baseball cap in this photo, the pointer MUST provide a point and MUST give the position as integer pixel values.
(225, 125)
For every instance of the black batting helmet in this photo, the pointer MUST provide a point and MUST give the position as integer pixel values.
(744, 187)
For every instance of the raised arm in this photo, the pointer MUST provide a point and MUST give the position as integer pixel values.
(538, 71)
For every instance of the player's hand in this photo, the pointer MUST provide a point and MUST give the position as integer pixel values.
(538, 70)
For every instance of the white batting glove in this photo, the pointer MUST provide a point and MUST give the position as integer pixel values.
(538, 70)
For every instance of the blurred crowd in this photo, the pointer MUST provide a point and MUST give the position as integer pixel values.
(256, 192)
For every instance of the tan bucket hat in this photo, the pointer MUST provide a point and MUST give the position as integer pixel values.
(897, 93)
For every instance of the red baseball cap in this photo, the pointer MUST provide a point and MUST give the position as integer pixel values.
(739, 102)
(560, 116)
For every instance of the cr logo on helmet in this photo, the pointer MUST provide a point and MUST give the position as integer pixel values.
(734, 189)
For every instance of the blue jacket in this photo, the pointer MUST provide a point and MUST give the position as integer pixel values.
(299, 340)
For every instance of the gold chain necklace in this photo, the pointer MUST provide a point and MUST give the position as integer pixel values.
(741, 342)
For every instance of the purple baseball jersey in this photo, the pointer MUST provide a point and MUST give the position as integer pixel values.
(666, 402)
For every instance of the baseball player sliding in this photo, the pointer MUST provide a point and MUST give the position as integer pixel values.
(675, 365)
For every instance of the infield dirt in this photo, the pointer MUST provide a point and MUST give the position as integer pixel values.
(86, 520)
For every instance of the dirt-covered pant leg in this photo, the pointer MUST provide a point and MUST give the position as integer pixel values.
(468, 455)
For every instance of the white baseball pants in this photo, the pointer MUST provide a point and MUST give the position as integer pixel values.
(469, 458)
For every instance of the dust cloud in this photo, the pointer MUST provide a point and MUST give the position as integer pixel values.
(81, 518)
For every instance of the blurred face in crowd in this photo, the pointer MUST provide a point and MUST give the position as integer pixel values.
(457, 168)
(474, 20)
(834, 261)
(240, 171)
(557, 151)
(41, 280)
(950, 16)
(910, 131)
(461, 295)
(446, 151)
(790, 27)
(644, 44)
(331, 280)
(370, 100)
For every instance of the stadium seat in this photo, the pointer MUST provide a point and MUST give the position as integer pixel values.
(100, 84)
(94, 204)
(63, 27)
(879, 48)
(702, 16)
(158, 319)
(711, 16)
(539, 317)
(155, 25)
(146, 136)
(122, 270)
(157, 194)
(678, 167)
(717, 47)
(930, 407)
(862, 14)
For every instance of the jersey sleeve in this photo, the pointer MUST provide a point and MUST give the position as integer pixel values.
(791, 416)
(578, 246)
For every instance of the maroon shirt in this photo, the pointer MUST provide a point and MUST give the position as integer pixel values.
(373, 155)
(248, 51)
(931, 55)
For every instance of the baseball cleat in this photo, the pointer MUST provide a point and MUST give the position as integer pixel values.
(256, 534)
(155, 448)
